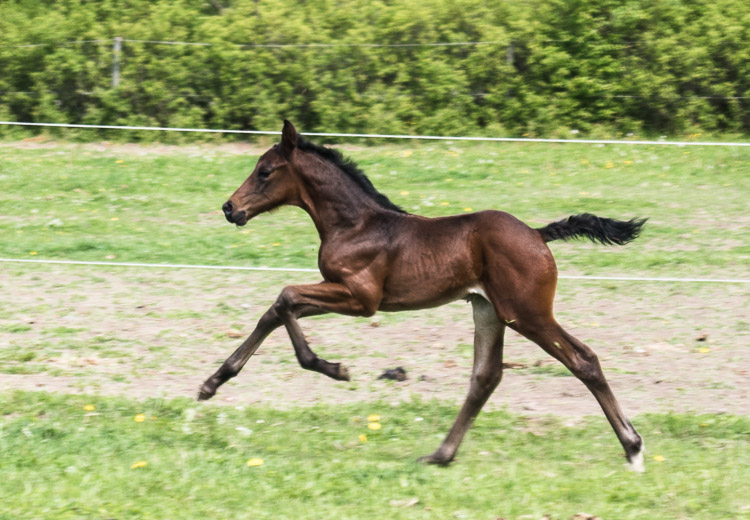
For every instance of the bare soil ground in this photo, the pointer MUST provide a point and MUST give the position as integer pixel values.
(159, 333)
(147, 149)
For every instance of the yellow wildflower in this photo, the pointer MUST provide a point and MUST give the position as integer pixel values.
(254, 462)
(373, 418)
(659, 458)
(89, 407)
(374, 426)
(139, 418)
(139, 464)
(362, 437)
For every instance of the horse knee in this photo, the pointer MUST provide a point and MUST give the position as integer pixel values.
(284, 302)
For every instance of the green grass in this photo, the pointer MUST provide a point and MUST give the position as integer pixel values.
(60, 461)
(80, 203)
(550, 370)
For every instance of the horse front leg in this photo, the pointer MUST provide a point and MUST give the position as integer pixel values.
(485, 376)
(320, 298)
(269, 322)
(234, 363)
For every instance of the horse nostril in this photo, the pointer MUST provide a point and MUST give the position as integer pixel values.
(227, 208)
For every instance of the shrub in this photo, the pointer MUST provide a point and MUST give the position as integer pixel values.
(630, 66)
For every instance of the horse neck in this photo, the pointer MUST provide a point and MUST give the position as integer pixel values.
(332, 199)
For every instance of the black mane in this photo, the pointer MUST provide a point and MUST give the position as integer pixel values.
(351, 169)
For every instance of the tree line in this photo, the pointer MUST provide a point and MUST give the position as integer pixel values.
(458, 67)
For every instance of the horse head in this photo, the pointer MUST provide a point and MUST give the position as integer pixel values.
(272, 183)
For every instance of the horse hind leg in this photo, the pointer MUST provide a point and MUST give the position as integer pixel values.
(583, 362)
(485, 376)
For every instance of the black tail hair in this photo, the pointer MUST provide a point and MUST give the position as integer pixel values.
(597, 229)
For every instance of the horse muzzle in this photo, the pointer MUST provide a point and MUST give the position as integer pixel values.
(239, 218)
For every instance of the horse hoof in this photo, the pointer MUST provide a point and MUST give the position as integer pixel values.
(435, 459)
(343, 373)
(635, 461)
(205, 394)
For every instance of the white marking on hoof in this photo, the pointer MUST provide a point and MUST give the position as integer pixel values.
(636, 462)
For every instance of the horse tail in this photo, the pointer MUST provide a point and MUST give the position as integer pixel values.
(597, 229)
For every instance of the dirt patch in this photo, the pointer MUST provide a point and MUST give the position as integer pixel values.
(139, 149)
(257, 147)
(159, 333)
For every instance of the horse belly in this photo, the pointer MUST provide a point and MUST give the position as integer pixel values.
(428, 279)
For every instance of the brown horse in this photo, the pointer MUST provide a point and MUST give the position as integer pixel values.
(376, 257)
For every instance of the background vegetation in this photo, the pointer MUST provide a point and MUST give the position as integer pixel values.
(596, 66)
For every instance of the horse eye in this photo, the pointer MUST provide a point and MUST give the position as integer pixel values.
(264, 173)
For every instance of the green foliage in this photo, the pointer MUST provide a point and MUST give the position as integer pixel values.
(590, 65)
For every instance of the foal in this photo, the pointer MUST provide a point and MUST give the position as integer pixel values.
(376, 257)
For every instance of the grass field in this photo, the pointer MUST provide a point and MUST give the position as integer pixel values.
(70, 457)
(116, 331)
(162, 205)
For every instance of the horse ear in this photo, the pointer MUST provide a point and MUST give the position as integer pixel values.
(288, 139)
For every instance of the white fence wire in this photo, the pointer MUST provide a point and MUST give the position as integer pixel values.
(384, 136)
(375, 136)
(309, 270)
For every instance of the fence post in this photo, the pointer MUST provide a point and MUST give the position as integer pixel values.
(510, 57)
(116, 61)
